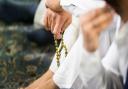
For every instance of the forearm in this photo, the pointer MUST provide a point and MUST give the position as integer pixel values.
(42, 80)
(48, 85)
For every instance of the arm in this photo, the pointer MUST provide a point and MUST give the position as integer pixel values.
(56, 19)
(92, 24)
(48, 85)
(41, 81)
(57, 22)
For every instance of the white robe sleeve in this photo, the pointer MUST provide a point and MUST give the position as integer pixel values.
(110, 61)
(116, 59)
(70, 69)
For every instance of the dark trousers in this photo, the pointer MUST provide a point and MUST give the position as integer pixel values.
(41, 37)
(126, 84)
(17, 11)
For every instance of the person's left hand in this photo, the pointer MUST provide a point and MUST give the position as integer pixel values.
(92, 24)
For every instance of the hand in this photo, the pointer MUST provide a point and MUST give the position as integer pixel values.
(57, 22)
(92, 24)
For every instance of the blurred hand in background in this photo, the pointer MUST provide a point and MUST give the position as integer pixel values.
(92, 24)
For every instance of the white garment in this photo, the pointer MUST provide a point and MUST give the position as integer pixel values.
(70, 38)
(68, 71)
(38, 18)
(117, 58)
(84, 4)
(77, 63)
(115, 61)
(72, 32)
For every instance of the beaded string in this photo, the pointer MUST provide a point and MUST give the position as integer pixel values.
(59, 49)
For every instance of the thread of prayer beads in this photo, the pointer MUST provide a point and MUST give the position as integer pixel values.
(64, 46)
(58, 50)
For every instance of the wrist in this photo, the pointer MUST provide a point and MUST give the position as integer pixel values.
(54, 5)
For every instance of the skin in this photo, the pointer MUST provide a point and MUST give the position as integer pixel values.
(56, 19)
(46, 81)
(91, 37)
(48, 75)
(48, 85)
(57, 22)
(92, 24)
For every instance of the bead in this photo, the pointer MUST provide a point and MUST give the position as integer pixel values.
(58, 50)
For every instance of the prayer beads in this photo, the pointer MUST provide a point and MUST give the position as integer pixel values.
(59, 49)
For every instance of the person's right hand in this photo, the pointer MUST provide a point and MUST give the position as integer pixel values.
(57, 22)
(92, 24)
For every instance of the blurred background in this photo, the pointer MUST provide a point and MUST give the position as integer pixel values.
(25, 51)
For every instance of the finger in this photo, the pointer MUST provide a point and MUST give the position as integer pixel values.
(87, 27)
(90, 41)
(53, 22)
(94, 13)
(102, 21)
(105, 24)
(45, 21)
(58, 25)
(49, 18)
(97, 22)
(87, 17)
(58, 36)
(65, 25)
(59, 31)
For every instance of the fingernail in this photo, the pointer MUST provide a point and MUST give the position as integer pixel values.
(59, 36)
(54, 32)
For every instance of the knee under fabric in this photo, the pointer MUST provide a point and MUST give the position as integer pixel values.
(41, 37)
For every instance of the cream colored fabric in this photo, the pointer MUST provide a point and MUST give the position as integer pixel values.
(116, 60)
(72, 33)
(38, 19)
(71, 68)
